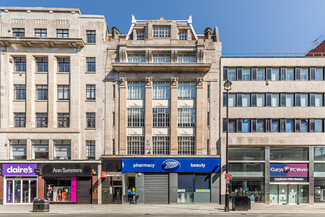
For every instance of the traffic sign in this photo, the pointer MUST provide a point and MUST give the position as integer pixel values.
(228, 176)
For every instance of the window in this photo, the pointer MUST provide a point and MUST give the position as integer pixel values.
(63, 92)
(186, 117)
(18, 32)
(161, 117)
(113, 147)
(303, 99)
(41, 33)
(41, 92)
(186, 145)
(304, 74)
(91, 120)
(90, 150)
(186, 90)
(161, 58)
(18, 150)
(91, 64)
(161, 31)
(91, 92)
(319, 74)
(140, 34)
(289, 154)
(246, 100)
(135, 145)
(62, 33)
(41, 64)
(20, 91)
(113, 113)
(161, 90)
(275, 126)
(275, 99)
(40, 149)
(246, 74)
(182, 35)
(260, 99)
(41, 119)
(232, 73)
(62, 149)
(114, 91)
(289, 125)
(275, 74)
(290, 74)
(161, 145)
(232, 125)
(283, 73)
(232, 99)
(260, 126)
(261, 74)
(20, 120)
(136, 89)
(268, 73)
(318, 125)
(63, 65)
(246, 125)
(20, 64)
(186, 58)
(319, 153)
(91, 36)
(63, 120)
(246, 153)
(289, 99)
(304, 125)
(136, 58)
(316, 99)
(135, 117)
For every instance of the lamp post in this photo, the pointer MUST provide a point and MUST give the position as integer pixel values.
(227, 87)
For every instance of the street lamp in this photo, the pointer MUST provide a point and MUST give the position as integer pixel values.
(227, 87)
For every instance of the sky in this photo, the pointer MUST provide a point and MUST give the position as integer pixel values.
(245, 26)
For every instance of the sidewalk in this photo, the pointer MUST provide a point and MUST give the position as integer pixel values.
(161, 209)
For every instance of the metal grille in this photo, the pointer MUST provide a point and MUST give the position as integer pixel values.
(135, 145)
(161, 145)
(186, 117)
(161, 117)
(186, 145)
(135, 117)
(156, 188)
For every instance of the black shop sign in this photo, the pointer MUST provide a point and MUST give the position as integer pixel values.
(68, 170)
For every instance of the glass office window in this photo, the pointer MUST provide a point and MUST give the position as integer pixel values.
(304, 99)
(275, 126)
(246, 100)
(289, 99)
(275, 74)
(232, 126)
(186, 90)
(161, 58)
(261, 74)
(18, 150)
(246, 125)
(318, 125)
(304, 74)
(260, 125)
(304, 125)
(40, 149)
(232, 100)
(318, 99)
(232, 74)
(161, 90)
(246, 74)
(136, 58)
(246, 153)
(275, 99)
(289, 153)
(319, 153)
(290, 74)
(289, 125)
(260, 99)
(62, 149)
(136, 89)
(319, 74)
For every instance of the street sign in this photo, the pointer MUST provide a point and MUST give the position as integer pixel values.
(228, 176)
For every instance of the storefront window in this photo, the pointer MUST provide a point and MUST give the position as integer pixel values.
(60, 190)
(185, 188)
(319, 153)
(285, 154)
(129, 188)
(254, 188)
(246, 153)
(319, 196)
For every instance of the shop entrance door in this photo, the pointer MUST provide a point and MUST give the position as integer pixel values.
(293, 194)
(84, 190)
(20, 191)
(288, 194)
(283, 194)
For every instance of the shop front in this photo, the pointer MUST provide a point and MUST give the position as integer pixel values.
(20, 183)
(111, 181)
(171, 180)
(68, 183)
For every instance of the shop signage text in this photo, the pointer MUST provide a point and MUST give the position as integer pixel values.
(18, 169)
(171, 165)
(288, 179)
(288, 170)
(68, 170)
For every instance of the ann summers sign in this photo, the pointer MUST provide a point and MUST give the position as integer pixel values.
(68, 170)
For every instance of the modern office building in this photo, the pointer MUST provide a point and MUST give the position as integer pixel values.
(52, 110)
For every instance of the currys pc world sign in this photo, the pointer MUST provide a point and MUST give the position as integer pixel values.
(18, 169)
(289, 170)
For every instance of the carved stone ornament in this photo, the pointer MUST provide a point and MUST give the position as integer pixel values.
(174, 81)
(148, 81)
(199, 81)
(123, 81)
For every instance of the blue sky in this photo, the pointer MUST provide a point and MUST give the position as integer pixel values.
(245, 26)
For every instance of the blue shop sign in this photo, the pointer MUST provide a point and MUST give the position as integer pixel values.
(171, 165)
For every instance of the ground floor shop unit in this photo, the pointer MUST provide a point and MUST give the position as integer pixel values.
(170, 180)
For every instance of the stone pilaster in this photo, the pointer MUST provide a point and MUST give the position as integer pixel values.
(52, 91)
(30, 91)
(123, 116)
(200, 117)
(148, 116)
(29, 149)
(173, 116)
(51, 149)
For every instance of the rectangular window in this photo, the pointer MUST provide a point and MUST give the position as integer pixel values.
(268, 73)
(41, 119)
(289, 125)
(254, 73)
(182, 35)
(232, 99)
(246, 100)
(41, 33)
(113, 147)
(297, 73)
(20, 64)
(113, 118)
(318, 125)
(63, 92)
(260, 125)
(246, 126)
(20, 91)
(91, 92)
(304, 99)
(41, 64)
(268, 99)
(20, 120)
(161, 90)
(186, 90)
(62, 149)
(161, 117)
(297, 125)
(90, 149)
(186, 117)
(231, 126)
(41, 92)
(135, 145)
(275, 126)
(63, 120)
(318, 99)
(91, 36)
(275, 74)
(246, 74)
(260, 99)
(312, 74)
(140, 34)
(136, 89)
(136, 58)
(275, 99)
(135, 117)
(40, 149)
(63, 64)
(186, 58)
(161, 31)
(297, 101)
(186, 145)
(232, 73)
(114, 91)
(18, 32)
(261, 74)
(283, 98)
(239, 73)
(161, 145)
(319, 74)
(304, 125)
(91, 119)
(91, 64)
(290, 74)
(319, 153)
(18, 149)
(62, 33)
(246, 153)
(289, 154)
(304, 74)
(289, 99)
(283, 72)
(161, 58)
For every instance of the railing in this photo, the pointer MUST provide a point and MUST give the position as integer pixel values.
(312, 54)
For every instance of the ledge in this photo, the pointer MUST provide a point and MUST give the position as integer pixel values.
(48, 42)
(161, 67)
(38, 130)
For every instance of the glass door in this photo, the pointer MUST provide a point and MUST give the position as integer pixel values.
(303, 193)
(283, 194)
(293, 194)
(25, 191)
(17, 191)
(274, 194)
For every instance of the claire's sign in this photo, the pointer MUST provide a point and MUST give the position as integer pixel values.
(18, 169)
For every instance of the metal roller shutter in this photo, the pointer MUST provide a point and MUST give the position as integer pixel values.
(156, 188)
